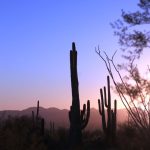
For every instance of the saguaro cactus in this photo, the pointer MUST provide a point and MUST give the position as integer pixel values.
(38, 122)
(37, 111)
(109, 127)
(78, 119)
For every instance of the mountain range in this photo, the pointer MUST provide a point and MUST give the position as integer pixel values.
(60, 116)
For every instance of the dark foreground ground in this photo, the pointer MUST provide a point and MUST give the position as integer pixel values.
(22, 134)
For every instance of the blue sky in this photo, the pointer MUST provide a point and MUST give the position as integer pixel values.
(35, 39)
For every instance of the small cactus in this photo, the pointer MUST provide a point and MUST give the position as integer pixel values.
(85, 115)
(37, 111)
(38, 122)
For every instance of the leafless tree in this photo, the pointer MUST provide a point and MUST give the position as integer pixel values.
(133, 95)
(133, 88)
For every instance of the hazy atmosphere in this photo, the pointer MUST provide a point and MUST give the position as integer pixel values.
(36, 38)
(74, 75)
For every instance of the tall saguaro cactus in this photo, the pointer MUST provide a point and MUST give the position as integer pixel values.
(78, 119)
(109, 127)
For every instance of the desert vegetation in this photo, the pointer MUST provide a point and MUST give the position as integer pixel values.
(31, 133)
(18, 134)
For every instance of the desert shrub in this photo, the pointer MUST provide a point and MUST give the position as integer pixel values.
(18, 134)
(129, 137)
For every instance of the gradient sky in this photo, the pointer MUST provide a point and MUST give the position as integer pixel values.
(35, 40)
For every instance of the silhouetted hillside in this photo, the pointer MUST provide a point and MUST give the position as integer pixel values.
(60, 117)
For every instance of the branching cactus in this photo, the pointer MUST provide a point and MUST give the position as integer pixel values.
(109, 126)
(78, 119)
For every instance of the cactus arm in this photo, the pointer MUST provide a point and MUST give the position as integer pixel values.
(84, 109)
(114, 118)
(105, 97)
(115, 115)
(114, 122)
(99, 107)
(103, 111)
(82, 114)
(86, 115)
